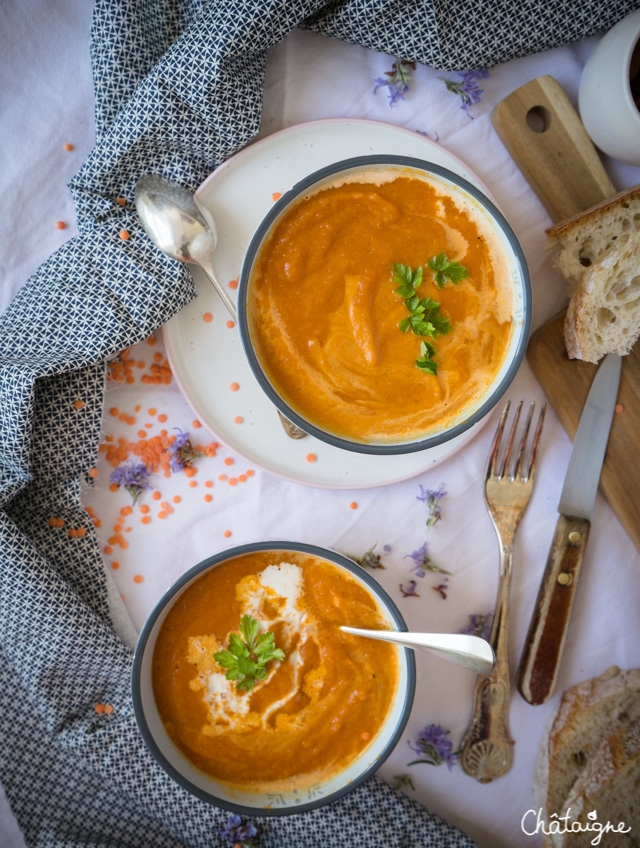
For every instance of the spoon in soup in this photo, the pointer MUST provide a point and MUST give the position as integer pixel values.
(468, 651)
(174, 223)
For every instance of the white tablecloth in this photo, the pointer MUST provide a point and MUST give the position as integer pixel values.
(46, 102)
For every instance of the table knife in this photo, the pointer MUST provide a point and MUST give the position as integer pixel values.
(544, 645)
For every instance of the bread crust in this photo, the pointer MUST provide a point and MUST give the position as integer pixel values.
(586, 715)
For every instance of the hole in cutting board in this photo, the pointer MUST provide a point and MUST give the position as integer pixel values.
(538, 119)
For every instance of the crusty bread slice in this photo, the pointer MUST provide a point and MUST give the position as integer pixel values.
(586, 715)
(604, 311)
(581, 240)
(607, 792)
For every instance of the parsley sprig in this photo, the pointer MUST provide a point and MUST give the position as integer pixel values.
(446, 271)
(248, 654)
(424, 317)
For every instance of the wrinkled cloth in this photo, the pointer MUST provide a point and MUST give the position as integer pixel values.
(178, 90)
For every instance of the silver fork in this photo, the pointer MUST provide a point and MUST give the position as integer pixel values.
(486, 749)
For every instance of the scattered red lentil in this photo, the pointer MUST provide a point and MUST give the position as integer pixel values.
(152, 411)
(228, 461)
(353, 505)
(208, 317)
(242, 478)
(93, 472)
(234, 387)
(208, 498)
(231, 324)
(226, 534)
(99, 708)
(108, 709)
(156, 496)
(68, 147)
(366, 735)
(176, 499)
(108, 550)
(152, 340)
(234, 283)
(115, 565)
(196, 424)
(238, 419)
(146, 519)
(250, 472)
(233, 481)
(125, 235)
(138, 578)
(162, 418)
(60, 225)
(162, 514)
(121, 201)
(618, 407)
(208, 483)
(193, 484)
(311, 457)
(78, 404)
(222, 477)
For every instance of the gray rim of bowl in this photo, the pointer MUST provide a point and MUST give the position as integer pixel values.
(243, 290)
(195, 571)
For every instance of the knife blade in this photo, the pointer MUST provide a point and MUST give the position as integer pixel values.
(542, 655)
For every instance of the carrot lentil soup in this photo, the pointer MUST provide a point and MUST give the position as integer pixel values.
(315, 711)
(324, 315)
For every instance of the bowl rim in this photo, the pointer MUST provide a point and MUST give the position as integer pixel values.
(391, 448)
(195, 571)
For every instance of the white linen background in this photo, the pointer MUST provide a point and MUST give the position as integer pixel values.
(46, 100)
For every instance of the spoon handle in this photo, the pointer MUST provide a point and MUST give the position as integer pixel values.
(464, 650)
(207, 266)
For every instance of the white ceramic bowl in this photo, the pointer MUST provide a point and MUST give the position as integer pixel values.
(231, 798)
(605, 101)
(518, 273)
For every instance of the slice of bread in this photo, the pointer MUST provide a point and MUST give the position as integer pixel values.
(604, 311)
(607, 792)
(581, 240)
(588, 714)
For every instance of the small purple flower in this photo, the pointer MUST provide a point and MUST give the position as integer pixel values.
(467, 87)
(434, 747)
(181, 453)
(134, 478)
(238, 833)
(423, 561)
(442, 588)
(409, 591)
(431, 498)
(397, 80)
(479, 625)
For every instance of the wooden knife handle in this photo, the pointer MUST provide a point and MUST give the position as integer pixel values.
(547, 141)
(540, 662)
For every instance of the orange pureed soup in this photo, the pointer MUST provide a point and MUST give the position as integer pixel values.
(315, 711)
(324, 315)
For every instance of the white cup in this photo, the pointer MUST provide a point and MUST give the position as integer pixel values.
(607, 108)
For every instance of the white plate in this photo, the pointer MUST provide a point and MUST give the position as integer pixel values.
(207, 357)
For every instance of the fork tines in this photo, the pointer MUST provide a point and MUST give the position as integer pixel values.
(496, 468)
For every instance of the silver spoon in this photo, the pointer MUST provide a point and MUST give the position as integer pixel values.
(470, 652)
(174, 223)
(172, 220)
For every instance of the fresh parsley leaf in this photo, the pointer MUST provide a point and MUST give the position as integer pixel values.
(425, 362)
(446, 271)
(406, 279)
(424, 317)
(248, 654)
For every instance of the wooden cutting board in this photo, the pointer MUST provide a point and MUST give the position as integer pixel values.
(544, 135)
